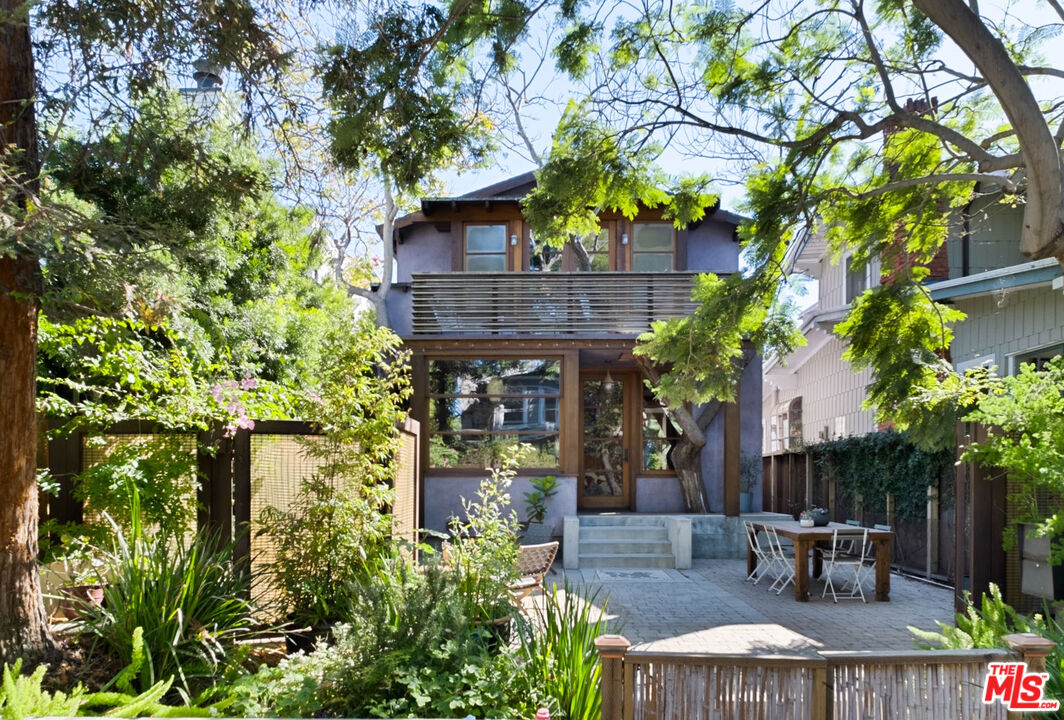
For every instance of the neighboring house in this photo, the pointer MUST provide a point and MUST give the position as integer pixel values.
(1015, 311)
(510, 343)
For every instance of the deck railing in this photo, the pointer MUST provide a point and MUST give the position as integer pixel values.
(534, 303)
(641, 685)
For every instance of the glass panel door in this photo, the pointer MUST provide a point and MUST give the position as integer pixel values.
(604, 467)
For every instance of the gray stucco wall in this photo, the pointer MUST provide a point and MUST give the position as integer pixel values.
(424, 249)
(750, 429)
(710, 248)
(658, 494)
(444, 495)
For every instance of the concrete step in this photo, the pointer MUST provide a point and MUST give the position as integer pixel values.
(626, 532)
(622, 520)
(626, 547)
(623, 560)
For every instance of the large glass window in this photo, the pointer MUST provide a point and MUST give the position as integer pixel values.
(660, 435)
(479, 407)
(543, 257)
(485, 248)
(653, 247)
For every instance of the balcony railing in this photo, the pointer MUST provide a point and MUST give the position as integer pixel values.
(532, 303)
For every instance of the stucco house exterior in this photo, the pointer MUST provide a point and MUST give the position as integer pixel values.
(1014, 308)
(510, 343)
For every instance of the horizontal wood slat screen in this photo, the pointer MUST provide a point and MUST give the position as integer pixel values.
(604, 303)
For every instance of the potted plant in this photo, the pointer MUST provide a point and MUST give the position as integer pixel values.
(749, 474)
(544, 488)
(84, 573)
(814, 517)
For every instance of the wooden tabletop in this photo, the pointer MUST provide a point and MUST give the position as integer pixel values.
(793, 529)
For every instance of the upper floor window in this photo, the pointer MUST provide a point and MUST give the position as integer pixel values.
(856, 280)
(653, 247)
(592, 253)
(1039, 358)
(485, 248)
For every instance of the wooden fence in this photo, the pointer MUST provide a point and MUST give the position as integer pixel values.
(640, 685)
(924, 546)
(236, 477)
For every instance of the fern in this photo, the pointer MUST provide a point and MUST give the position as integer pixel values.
(22, 696)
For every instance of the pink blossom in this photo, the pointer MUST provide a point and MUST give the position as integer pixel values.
(216, 393)
(230, 429)
(249, 383)
(315, 397)
(245, 422)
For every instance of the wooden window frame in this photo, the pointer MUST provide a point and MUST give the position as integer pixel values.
(630, 251)
(562, 420)
(511, 254)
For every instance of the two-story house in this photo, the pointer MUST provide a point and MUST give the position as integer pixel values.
(1014, 308)
(511, 343)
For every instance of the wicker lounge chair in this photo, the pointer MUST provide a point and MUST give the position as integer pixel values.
(533, 562)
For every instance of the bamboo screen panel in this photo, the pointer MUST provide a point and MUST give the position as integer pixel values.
(950, 687)
(97, 449)
(279, 464)
(712, 688)
(405, 510)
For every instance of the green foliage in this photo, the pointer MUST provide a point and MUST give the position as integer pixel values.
(557, 645)
(22, 696)
(484, 544)
(220, 259)
(411, 650)
(901, 333)
(706, 351)
(173, 608)
(545, 488)
(984, 627)
(339, 522)
(882, 463)
(402, 95)
(1025, 436)
(590, 169)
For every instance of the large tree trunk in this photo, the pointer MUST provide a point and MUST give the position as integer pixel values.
(1043, 218)
(23, 625)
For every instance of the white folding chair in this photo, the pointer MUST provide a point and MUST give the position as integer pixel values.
(784, 561)
(765, 561)
(851, 564)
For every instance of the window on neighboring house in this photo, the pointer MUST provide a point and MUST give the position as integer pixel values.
(478, 407)
(596, 248)
(653, 247)
(856, 280)
(1038, 357)
(485, 248)
(660, 435)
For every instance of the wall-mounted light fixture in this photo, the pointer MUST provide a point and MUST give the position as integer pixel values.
(624, 238)
(513, 240)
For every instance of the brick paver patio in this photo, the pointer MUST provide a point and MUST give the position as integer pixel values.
(710, 609)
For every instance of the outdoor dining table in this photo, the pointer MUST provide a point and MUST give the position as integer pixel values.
(805, 538)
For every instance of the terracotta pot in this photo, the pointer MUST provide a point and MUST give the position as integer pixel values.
(76, 598)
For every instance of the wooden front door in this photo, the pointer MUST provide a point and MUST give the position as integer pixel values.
(605, 464)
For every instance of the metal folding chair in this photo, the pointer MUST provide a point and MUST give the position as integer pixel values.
(851, 564)
(784, 561)
(765, 561)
